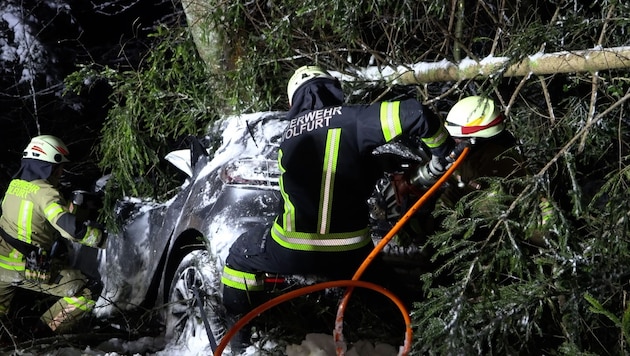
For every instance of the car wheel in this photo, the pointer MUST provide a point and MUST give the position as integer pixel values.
(196, 282)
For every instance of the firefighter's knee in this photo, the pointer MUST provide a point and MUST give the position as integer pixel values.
(72, 281)
(240, 302)
(242, 290)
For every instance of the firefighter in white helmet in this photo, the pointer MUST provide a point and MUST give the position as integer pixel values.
(34, 216)
(493, 150)
(493, 153)
(475, 117)
(477, 121)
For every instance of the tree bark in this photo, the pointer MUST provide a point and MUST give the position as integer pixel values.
(590, 60)
(207, 39)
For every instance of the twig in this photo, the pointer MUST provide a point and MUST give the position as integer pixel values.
(595, 80)
(458, 9)
(571, 142)
(515, 94)
(543, 84)
(591, 109)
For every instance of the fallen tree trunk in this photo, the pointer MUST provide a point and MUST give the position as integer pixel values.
(590, 60)
(219, 53)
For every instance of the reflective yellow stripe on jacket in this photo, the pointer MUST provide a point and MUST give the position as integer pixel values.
(390, 120)
(305, 241)
(13, 262)
(25, 221)
(52, 211)
(329, 171)
(437, 139)
(81, 303)
(289, 209)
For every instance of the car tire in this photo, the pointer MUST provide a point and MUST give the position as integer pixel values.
(197, 272)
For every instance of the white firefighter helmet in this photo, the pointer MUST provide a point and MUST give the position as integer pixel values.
(47, 148)
(303, 75)
(474, 116)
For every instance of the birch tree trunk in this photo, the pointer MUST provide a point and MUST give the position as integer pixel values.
(218, 55)
(208, 39)
(590, 60)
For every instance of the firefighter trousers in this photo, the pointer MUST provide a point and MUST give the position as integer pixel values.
(75, 300)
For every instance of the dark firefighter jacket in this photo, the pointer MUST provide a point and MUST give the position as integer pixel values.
(328, 171)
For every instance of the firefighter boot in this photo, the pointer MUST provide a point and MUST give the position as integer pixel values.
(241, 340)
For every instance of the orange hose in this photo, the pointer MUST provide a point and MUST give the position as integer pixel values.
(338, 332)
(355, 282)
(309, 289)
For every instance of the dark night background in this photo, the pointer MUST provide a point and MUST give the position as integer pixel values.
(112, 34)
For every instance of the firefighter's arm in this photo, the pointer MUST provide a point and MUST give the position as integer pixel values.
(60, 217)
(429, 173)
(86, 233)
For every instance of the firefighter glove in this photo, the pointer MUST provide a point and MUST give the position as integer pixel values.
(94, 235)
(457, 151)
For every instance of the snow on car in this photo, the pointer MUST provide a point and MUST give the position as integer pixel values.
(169, 256)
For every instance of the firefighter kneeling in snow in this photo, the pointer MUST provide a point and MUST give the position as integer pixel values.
(34, 215)
(328, 174)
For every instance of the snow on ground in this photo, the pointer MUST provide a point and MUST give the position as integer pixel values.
(312, 345)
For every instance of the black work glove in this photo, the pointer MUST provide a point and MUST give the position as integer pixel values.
(457, 151)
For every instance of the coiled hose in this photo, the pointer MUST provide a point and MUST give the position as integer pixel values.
(351, 284)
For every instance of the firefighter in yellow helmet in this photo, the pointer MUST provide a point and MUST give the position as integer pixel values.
(34, 216)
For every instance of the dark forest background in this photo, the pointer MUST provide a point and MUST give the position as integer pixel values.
(112, 34)
(123, 82)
